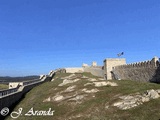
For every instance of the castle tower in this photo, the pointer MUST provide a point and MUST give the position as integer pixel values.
(94, 63)
(155, 60)
(110, 63)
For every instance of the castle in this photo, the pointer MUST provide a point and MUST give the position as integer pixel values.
(113, 68)
(117, 68)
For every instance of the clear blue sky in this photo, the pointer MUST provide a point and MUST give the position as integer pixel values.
(37, 36)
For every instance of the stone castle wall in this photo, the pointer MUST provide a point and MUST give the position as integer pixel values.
(97, 71)
(147, 71)
(93, 69)
(110, 63)
(116, 68)
(9, 97)
(74, 70)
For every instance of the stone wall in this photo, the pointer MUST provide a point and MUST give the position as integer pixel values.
(74, 70)
(110, 63)
(16, 84)
(147, 71)
(10, 97)
(97, 71)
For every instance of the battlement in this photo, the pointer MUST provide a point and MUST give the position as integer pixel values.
(116, 68)
(147, 71)
(149, 63)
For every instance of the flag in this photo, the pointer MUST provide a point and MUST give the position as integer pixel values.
(120, 54)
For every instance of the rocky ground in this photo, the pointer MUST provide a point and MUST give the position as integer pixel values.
(86, 97)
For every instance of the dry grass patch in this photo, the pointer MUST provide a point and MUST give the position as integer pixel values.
(3, 86)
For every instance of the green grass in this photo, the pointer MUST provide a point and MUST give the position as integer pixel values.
(91, 108)
(3, 86)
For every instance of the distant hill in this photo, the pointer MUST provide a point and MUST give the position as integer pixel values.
(15, 79)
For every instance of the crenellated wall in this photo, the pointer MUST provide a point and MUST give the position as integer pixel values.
(147, 71)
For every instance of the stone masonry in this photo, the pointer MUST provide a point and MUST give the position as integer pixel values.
(110, 63)
(147, 71)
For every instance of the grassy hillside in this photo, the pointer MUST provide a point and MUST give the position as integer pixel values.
(72, 101)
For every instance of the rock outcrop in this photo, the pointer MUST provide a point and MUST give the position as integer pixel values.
(130, 101)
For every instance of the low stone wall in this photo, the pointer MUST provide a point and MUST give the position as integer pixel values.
(74, 70)
(7, 91)
(97, 71)
(9, 99)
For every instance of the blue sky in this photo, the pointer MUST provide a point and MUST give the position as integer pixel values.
(37, 36)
